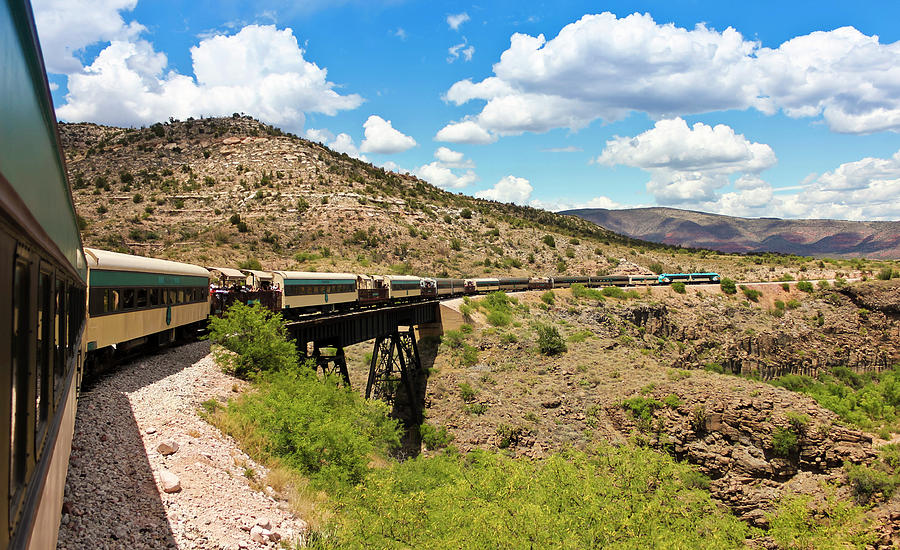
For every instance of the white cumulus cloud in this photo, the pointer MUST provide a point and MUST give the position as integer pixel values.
(688, 163)
(381, 137)
(604, 67)
(463, 48)
(259, 70)
(455, 20)
(441, 171)
(466, 131)
(66, 27)
(508, 189)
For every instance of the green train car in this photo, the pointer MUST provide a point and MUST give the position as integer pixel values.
(42, 300)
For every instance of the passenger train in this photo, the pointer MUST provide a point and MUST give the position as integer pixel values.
(62, 304)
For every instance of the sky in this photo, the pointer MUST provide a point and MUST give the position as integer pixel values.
(756, 109)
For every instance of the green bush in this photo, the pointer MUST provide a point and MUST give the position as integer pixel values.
(612, 497)
(435, 438)
(751, 294)
(321, 429)
(792, 304)
(885, 274)
(785, 442)
(779, 304)
(798, 522)
(469, 355)
(466, 392)
(250, 263)
(866, 481)
(548, 297)
(251, 340)
(727, 285)
(614, 292)
(549, 341)
(679, 287)
(869, 401)
(465, 214)
(549, 241)
(805, 286)
(580, 291)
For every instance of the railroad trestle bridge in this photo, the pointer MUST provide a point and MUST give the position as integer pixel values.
(397, 374)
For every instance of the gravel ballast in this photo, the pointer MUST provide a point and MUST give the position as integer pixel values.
(126, 488)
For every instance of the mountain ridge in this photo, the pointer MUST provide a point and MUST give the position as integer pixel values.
(731, 234)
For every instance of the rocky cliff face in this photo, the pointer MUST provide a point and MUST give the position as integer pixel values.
(731, 434)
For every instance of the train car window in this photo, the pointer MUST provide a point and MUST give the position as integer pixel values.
(141, 298)
(171, 296)
(114, 300)
(154, 297)
(59, 363)
(43, 374)
(73, 312)
(19, 384)
(128, 302)
(97, 302)
(180, 298)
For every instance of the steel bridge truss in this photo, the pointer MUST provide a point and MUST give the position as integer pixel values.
(395, 363)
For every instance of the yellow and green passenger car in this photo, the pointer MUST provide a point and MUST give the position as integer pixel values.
(131, 298)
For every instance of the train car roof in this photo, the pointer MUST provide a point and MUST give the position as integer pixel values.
(115, 261)
(402, 277)
(314, 275)
(485, 280)
(261, 275)
(34, 189)
(229, 272)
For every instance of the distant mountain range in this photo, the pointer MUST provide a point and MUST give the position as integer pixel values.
(831, 238)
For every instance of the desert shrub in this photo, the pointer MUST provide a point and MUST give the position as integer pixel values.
(805, 286)
(657, 268)
(580, 291)
(455, 244)
(465, 214)
(510, 436)
(548, 297)
(779, 304)
(785, 287)
(798, 421)
(137, 198)
(785, 442)
(823, 284)
(250, 263)
(642, 409)
(469, 355)
(251, 340)
(549, 241)
(614, 292)
(319, 428)
(792, 304)
(751, 294)
(486, 500)
(885, 274)
(466, 392)
(679, 287)
(435, 438)
(796, 522)
(549, 341)
(727, 285)
(866, 481)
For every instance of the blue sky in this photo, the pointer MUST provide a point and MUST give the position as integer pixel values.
(788, 109)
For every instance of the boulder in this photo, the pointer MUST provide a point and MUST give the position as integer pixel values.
(167, 447)
(170, 482)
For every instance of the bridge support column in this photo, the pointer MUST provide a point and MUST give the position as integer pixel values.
(395, 363)
(331, 364)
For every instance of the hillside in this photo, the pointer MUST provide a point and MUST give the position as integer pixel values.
(819, 238)
(231, 191)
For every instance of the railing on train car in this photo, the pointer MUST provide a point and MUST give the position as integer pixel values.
(223, 298)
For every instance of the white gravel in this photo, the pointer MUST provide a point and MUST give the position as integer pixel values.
(114, 496)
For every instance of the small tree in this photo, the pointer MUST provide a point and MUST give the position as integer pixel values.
(679, 287)
(728, 286)
(251, 340)
(549, 340)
